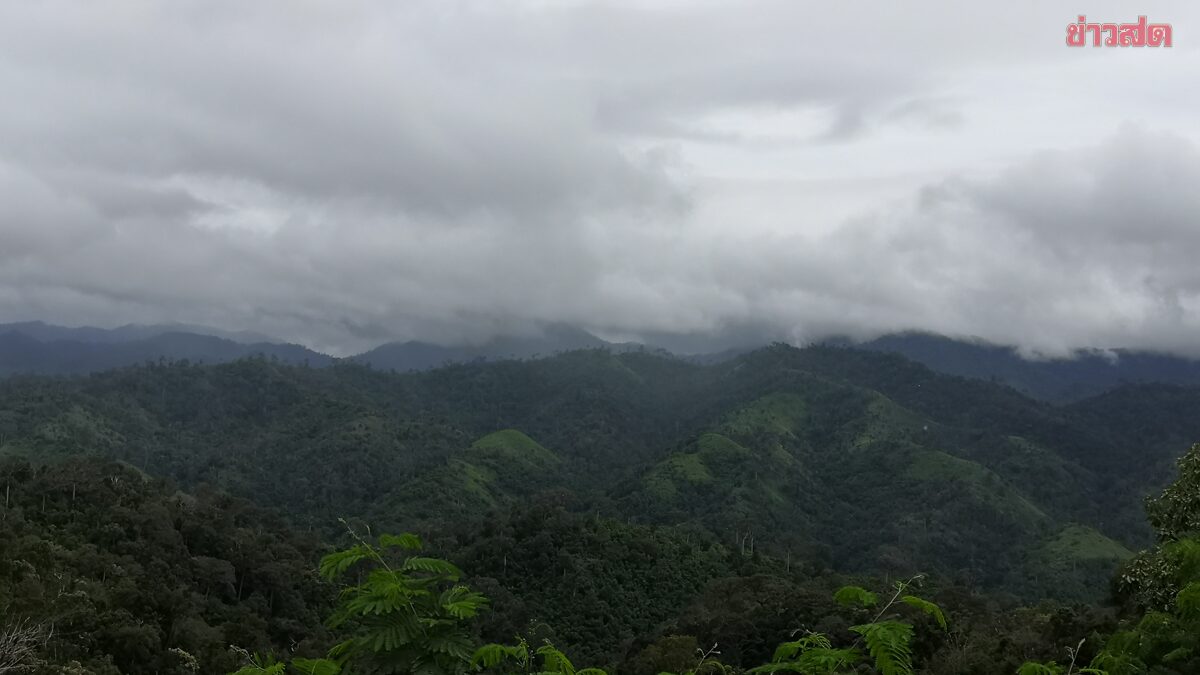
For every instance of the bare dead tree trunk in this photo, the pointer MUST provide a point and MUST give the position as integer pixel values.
(19, 644)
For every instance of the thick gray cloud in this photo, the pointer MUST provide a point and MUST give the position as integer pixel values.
(346, 174)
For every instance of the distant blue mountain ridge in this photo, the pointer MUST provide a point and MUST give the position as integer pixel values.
(35, 347)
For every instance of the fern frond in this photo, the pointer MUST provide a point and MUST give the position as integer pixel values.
(814, 661)
(492, 655)
(855, 595)
(787, 650)
(315, 667)
(409, 542)
(489, 656)
(457, 645)
(888, 642)
(335, 564)
(379, 596)
(827, 660)
(388, 638)
(433, 566)
(420, 666)
(341, 649)
(928, 607)
(461, 602)
(554, 661)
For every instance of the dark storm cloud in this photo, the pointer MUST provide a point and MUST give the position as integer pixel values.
(348, 174)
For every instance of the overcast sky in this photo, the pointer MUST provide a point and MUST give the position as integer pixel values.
(347, 173)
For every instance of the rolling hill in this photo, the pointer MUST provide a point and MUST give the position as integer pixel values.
(861, 461)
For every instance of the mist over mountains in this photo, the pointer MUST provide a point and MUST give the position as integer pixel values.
(46, 332)
(1085, 373)
(39, 348)
(61, 351)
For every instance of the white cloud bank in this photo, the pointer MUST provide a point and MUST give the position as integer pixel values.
(346, 174)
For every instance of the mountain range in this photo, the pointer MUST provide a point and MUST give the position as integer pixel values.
(714, 498)
(21, 353)
(860, 460)
(46, 332)
(40, 348)
(1084, 373)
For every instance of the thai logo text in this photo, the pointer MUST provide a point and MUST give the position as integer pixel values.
(1140, 34)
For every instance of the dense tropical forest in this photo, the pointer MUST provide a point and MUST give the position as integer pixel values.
(816, 510)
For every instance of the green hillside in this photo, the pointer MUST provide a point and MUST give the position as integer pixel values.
(784, 466)
(852, 456)
(775, 442)
(510, 449)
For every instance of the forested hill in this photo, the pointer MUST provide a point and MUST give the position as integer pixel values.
(713, 501)
(118, 573)
(860, 461)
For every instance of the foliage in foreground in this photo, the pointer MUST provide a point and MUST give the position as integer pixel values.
(410, 616)
(404, 613)
(105, 572)
(1163, 585)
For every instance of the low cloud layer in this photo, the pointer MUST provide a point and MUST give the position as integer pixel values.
(344, 175)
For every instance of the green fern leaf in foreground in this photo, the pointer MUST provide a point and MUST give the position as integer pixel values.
(855, 595)
(315, 667)
(409, 542)
(889, 643)
(788, 650)
(927, 607)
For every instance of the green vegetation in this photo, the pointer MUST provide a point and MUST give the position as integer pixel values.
(781, 414)
(628, 510)
(1161, 586)
(981, 483)
(115, 573)
(1077, 542)
(938, 466)
(512, 448)
(409, 616)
